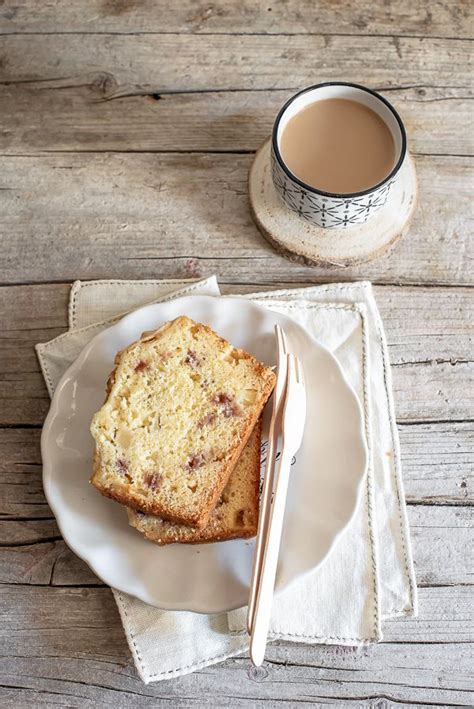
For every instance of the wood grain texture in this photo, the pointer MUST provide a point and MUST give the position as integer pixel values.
(424, 391)
(428, 323)
(421, 323)
(34, 553)
(124, 64)
(446, 19)
(429, 332)
(123, 82)
(159, 215)
(39, 653)
(436, 461)
(78, 114)
(433, 391)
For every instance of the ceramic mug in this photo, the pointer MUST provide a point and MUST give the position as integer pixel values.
(326, 209)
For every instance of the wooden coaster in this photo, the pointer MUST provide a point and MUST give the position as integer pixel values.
(301, 241)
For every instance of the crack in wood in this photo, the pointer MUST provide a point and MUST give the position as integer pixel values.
(44, 691)
(254, 283)
(188, 151)
(453, 361)
(190, 33)
(60, 586)
(46, 540)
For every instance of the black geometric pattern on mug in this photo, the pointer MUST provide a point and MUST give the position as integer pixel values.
(345, 219)
(285, 186)
(291, 199)
(311, 204)
(312, 201)
(300, 200)
(335, 209)
(327, 211)
(375, 199)
(309, 216)
(371, 203)
(329, 216)
(289, 193)
(277, 178)
(276, 174)
(305, 213)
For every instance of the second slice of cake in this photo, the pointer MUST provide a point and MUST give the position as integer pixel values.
(234, 517)
(181, 405)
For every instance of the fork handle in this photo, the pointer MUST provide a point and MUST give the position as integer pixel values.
(265, 506)
(266, 584)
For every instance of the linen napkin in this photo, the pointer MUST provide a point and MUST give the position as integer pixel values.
(346, 599)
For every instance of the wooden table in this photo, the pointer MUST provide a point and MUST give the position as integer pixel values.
(127, 130)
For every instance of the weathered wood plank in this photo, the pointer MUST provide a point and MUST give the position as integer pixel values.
(421, 323)
(49, 563)
(428, 331)
(81, 651)
(147, 215)
(433, 391)
(424, 324)
(34, 553)
(447, 19)
(425, 391)
(21, 489)
(79, 117)
(66, 645)
(99, 682)
(437, 464)
(445, 614)
(180, 62)
(28, 532)
(42, 308)
(25, 698)
(442, 541)
(35, 315)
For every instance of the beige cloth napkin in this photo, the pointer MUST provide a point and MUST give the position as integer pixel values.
(345, 600)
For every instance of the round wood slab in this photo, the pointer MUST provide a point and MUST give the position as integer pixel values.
(301, 241)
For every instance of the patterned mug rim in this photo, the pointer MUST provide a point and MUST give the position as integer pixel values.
(335, 195)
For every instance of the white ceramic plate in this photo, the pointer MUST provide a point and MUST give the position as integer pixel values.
(207, 578)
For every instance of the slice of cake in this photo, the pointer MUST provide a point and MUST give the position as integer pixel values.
(235, 515)
(181, 405)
